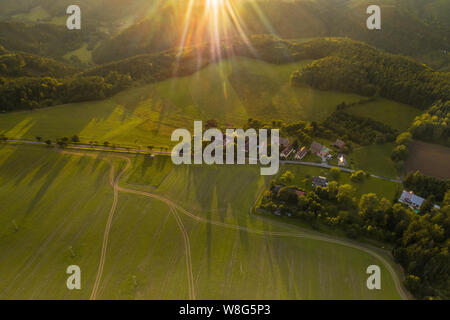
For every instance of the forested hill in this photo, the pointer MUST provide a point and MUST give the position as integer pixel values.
(47, 40)
(18, 64)
(342, 64)
(408, 27)
(358, 68)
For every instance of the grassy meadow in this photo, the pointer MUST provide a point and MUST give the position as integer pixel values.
(397, 115)
(230, 91)
(59, 201)
(375, 159)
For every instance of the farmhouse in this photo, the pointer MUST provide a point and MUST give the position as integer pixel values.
(301, 153)
(316, 148)
(284, 142)
(413, 201)
(339, 144)
(342, 160)
(287, 151)
(319, 182)
(320, 150)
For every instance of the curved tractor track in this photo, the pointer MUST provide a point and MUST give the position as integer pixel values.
(175, 208)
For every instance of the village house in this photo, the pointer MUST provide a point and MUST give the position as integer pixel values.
(342, 160)
(319, 182)
(320, 150)
(287, 151)
(339, 144)
(413, 201)
(284, 142)
(301, 153)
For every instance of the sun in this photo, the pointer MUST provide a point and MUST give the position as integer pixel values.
(214, 5)
(215, 24)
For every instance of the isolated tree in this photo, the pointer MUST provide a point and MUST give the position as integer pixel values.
(369, 208)
(75, 138)
(357, 176)
(38, 138)
(400, 153)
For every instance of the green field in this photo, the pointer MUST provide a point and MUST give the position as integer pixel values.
(230, 91)
(397, 115)
(382, 188)
(375, 159)
(61, 200)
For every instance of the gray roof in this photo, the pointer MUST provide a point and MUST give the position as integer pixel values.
(411, 199)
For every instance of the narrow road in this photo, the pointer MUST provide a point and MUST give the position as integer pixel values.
(140, 151)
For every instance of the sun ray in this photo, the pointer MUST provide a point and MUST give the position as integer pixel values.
(215, 25)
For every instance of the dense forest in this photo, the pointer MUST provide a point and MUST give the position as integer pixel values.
(420, 241)
(363, 131)
(426, 186)
(36, 92)
(47, 40)
(433, 125)
(28, 65)
(364, 70)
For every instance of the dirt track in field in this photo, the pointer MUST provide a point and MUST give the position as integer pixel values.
(175, 209)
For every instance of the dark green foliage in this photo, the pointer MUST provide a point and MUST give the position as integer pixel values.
(47, 40)
(364, 131)
(433, 125)
(362, 69)
(27, 65)
(31, 93)
(425, 186)
(420, 241)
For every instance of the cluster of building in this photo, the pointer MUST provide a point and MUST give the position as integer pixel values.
(316, 148)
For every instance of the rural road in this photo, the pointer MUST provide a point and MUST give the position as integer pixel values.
(131, 150)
